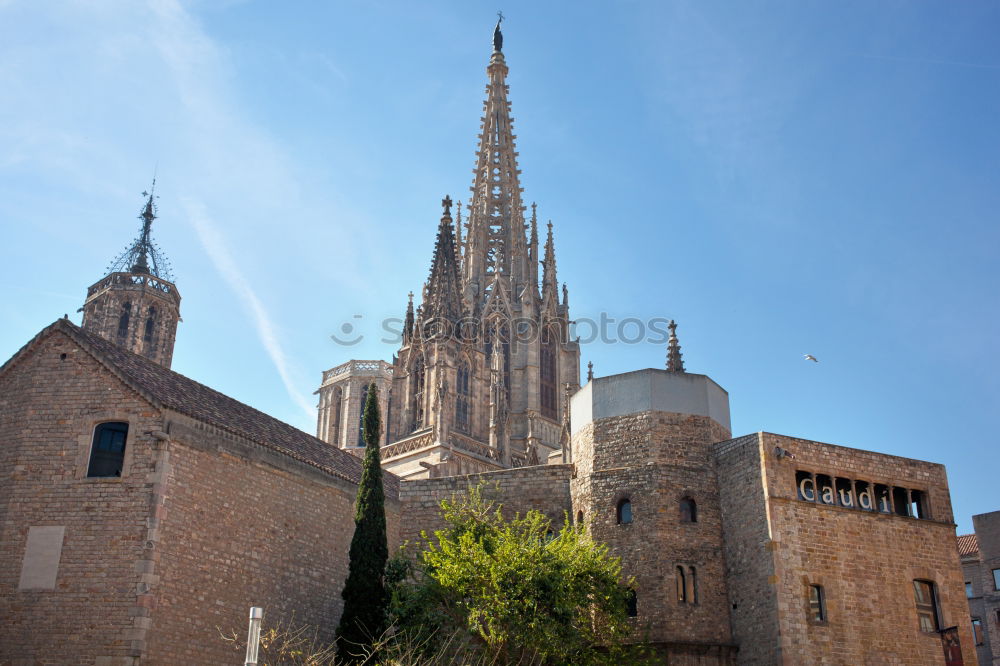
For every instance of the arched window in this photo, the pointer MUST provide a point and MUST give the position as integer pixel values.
(336, 399)
(547, 375)
(147, 335)
(631, 603)
(686, 580)
(361, 416)
(579, 517)
(462, 400)
(624, 511)
(497, 333)
(107, 452)
(123, 319)
(417, 393)
(689, 511)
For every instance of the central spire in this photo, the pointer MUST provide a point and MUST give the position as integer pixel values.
(143, 257)
(496, 242)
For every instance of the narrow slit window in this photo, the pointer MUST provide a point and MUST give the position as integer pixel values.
(817, 603)
(107, 453)
(632, 604)
(681, 581)
(968, 589)
(996, 584)
(624, 512)
(925, 598)
(918, 504)
(692, 585)
(689, 511)
(883, 499)
(977, 630)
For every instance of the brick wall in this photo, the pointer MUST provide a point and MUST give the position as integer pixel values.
(543, 488)
(50, 402)
(865, 561)
(987, 527)
(200, 526)
(654, 459)
(245, 527)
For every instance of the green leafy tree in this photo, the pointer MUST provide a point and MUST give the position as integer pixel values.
(365, 598)
(514, 590)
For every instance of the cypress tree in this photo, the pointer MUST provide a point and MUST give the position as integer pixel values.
(365, 597)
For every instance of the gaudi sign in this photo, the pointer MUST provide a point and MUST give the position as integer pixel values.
(861, 495)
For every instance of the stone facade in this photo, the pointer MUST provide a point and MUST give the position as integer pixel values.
(204, 520)
(980, 556)
(784, 533)
(342, 399)
(479, 379)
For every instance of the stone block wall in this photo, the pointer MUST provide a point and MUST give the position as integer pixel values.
(50, 402)
(241, 527)
(654, 459)
(987, 527)
(543, 488)
(865, 561)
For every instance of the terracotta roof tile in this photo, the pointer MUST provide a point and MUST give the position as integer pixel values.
(968, 544)
(184, 395)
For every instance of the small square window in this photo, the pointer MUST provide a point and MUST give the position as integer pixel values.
(107, 453)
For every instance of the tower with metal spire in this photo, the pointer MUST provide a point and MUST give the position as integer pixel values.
(674, 361)
(136, 305)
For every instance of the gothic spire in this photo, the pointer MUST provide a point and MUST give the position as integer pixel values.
(143, 256)
(550, 284)
(408, 321)
(674, 361)
(533, 259)
(458, 236)
(496, 240)
(443, 296)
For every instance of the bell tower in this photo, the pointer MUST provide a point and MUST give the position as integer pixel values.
(136, 305)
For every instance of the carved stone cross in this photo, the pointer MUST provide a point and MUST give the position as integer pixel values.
(446, 203)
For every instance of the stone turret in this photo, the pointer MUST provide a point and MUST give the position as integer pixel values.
(136, 305)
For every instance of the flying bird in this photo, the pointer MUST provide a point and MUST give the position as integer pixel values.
(810, 357)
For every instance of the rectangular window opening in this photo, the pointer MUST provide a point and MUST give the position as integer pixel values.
(845, 493)
(107, 452)
(817, 604)
(996, 585)
(863, 496)
(925, 598)
(918, 504)
(883, 499)
(824, 489)
(977, 630)
(806, 485)
(968, 589)
(901, 501)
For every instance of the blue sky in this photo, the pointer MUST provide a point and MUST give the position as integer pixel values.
(781, 178)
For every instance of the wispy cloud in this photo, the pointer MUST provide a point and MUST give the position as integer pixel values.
(217, 248)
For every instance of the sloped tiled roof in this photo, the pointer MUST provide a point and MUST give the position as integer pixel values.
(968, 544)
(174, 391)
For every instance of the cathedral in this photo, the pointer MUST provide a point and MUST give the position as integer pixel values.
(141, 512)
(486, 364)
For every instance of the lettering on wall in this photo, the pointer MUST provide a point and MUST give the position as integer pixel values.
(861, 495)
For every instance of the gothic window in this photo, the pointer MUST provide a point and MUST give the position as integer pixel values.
(631, 603)
(361, 416)
(681, 581)
(624, 512)
(462, 400)
(686, 580)
(107, 453)
(499, 334)
(817, 603)
(124, 318)
(150, 328)
(927, 608)
(336, 399)
(692, 585)
(547, 375)
(689, 511)
(417, 392)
